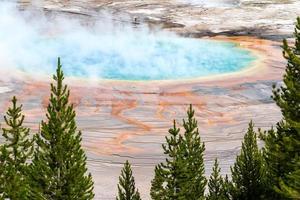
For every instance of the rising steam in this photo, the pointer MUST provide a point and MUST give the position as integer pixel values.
(31, 42)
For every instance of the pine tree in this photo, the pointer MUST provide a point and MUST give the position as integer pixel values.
(165, 185)
(289, 188)
(248, 171)
(3, 170)
(3, 155)
(192, 149)
(59, 166)
(14, 156)
(276, 158)
(227, 189)
(287, 97)
(216, 184)
(182, 175)
(126, 186)
(282, 146)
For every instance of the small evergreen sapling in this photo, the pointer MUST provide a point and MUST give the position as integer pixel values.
(215, 184)
(14, 156)
(248, 171)
(192, 150)
(181, 176)
(166, 185)
(227, 189)
(126, 186)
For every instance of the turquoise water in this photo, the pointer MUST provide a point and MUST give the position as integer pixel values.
(144, 58)
(158, 59)
(134, 58)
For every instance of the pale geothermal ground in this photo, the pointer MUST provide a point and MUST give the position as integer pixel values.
(128, 120)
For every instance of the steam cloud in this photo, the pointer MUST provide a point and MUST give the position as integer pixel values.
(31, 42)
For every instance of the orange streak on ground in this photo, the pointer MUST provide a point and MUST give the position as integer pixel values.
(166, 99)
(116, 144)
(119, 106)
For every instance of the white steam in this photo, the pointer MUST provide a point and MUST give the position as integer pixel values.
(31, 42)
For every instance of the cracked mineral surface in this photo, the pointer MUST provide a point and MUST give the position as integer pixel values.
(264, 18)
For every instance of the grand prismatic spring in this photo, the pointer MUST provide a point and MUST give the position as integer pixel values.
(134, 66)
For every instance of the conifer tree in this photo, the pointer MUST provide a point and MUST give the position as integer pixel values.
(182, 175)
(289, 188)
(192, 149)
(126, 186)
(14, 156)
(216, 184)
(227, 189)
(282, 146)
(248, 171)
(166, 185)
(2, 170)
(59, 166)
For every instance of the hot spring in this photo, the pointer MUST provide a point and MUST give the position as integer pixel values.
(106, 52)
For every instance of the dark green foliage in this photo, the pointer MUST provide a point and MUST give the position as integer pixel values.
(289, 187)
(282, 146)
(59, 165)
(14, 156)
(227, 189)
(166, 184)
(192, 150)
(287, 97)
(216, 184)
(248, 171)
(277, 160)
(182, 175)
(126, 186)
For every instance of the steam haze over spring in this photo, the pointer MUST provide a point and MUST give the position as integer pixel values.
(31, 43)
